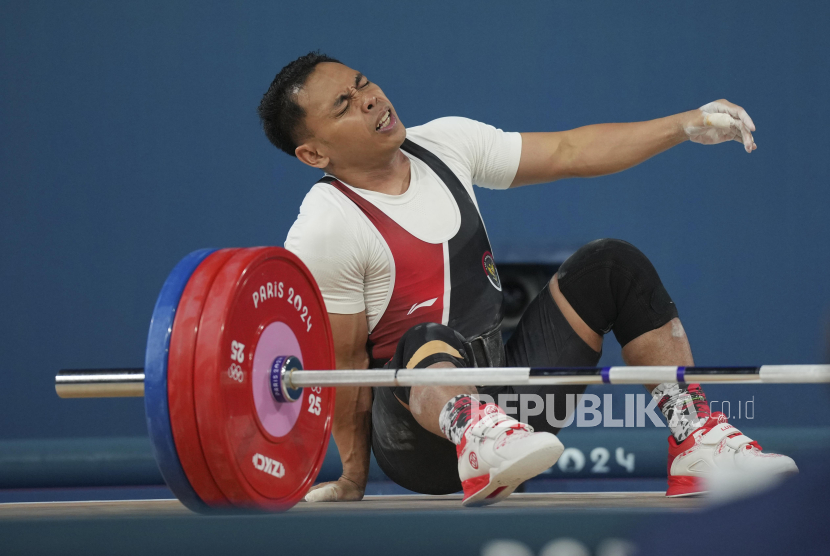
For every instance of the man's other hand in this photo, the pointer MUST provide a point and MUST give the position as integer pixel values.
(720, 121)
(341, 490)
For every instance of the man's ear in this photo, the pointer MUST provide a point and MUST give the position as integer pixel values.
(308, 154)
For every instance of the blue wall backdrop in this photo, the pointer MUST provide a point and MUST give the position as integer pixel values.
(129, 137)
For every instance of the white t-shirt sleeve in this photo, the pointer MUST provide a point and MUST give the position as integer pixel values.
(491, 154)
(334, 249)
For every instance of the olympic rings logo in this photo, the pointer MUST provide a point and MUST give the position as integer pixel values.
(235, 372)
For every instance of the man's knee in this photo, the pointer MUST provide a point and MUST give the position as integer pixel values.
(428, 343)
(612, 285)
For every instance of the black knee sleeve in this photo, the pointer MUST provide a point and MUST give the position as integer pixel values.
(613, 286)
(426, 344)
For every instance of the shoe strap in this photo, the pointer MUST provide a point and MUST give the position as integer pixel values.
(735, 439)
(718, 433)
(495, 424)
(738, 441)
(505, 427)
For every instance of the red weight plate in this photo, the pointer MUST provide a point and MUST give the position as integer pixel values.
(262, 454)
(180, 379)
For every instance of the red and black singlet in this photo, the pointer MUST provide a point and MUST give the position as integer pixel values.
(454, 283)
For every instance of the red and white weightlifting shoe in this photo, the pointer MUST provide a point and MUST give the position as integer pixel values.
(498, 453)
(718, 446)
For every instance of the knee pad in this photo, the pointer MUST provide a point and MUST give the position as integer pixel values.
(613, 286)
(426, 344)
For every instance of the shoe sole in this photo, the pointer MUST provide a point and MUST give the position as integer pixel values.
(681, 485)
(687, 494)
(507, 477)
(685, 485)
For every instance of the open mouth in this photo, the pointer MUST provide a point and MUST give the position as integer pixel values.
(386, 122)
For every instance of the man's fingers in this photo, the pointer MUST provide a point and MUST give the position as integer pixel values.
(326, 493)
(744, 136)
(747, 120)
(724, 106)
(733, 125)
(739, 113)
(721, 121)
(749, 142)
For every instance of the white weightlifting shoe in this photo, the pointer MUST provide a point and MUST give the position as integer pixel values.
(498, 453)
(718, 446)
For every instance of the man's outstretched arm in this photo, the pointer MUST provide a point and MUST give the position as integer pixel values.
(601, 149)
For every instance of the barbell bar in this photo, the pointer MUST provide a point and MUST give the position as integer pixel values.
(104, 383)
(238, 381)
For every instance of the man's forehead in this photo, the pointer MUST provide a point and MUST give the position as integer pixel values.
(327, 80)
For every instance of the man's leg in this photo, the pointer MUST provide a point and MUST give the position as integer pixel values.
(427, 402)
(406, 436)
(431, 346)
(610, 285)
(617, 288)
(666, 345)
(495, 452)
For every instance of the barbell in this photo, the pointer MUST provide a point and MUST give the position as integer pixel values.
(238, 380)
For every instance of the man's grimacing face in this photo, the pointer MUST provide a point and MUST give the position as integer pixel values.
(349, 118)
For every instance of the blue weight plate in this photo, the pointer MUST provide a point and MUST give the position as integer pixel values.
(155, 380)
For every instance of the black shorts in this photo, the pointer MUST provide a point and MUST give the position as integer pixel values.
(423, 462)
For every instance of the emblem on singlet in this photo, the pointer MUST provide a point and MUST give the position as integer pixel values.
(490, 269)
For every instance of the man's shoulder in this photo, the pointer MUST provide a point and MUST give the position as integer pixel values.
(488, 156)
(323, 201)
(451, 138)
(326, 217)
(446, 127)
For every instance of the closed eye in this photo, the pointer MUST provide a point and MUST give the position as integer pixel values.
(346, 98)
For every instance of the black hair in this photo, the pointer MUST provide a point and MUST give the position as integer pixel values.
(282, 118)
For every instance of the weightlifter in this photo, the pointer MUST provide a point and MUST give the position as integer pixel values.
(394, 238)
